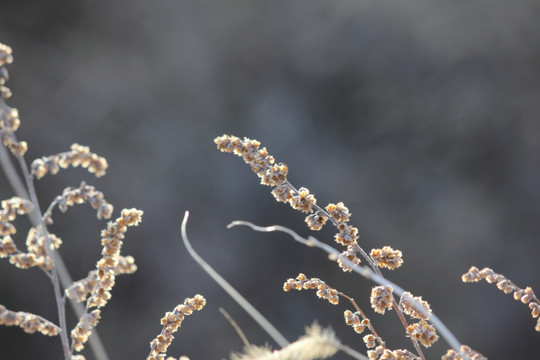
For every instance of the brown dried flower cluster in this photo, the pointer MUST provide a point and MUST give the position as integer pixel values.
(171, 322)
(83, 329)
(417, 308)
(37, 254)
(352, 319)
(423, 332)
(526, 296)
(10, 209)
(273, 174)
(465, 352)
(99, 283)
(5, 58)
(381, 298)
(83, 194)
(79, 290)
(387, 257)
(7, 246)
(78, 156)
(303, 283)
(413, 309)
(381, 353)
(30, 323)
(9, 117)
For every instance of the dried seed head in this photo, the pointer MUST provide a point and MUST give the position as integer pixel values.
(5, 55)
(381, 298)
(171, 322)
(347, 235)
(423, 332)
(9, 117)
(282, 193)
(464, 352)
(316, 220)
(30, 323)
(351, 318)
(339, 212)
(369, 340)
(348, 256)
(83, 194)
(10, 209)
(7, 246)
(303, 200)
(387, 257)
(83, 329)
(24, 261)
(303, 283)
(526, 295)
(374, 354)
(78, 156)
(418, 308)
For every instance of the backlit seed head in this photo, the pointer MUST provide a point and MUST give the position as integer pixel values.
(381, 298)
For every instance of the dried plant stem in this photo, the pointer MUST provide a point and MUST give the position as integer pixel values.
(62, 272)
(234, 325)
(256, 315)
(370, 326)
(12, 176)
(371, 263)
(60, 303)
(362, 270)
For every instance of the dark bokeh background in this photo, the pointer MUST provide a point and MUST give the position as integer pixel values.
(422, 116)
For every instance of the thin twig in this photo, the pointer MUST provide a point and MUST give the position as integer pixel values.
(256, 315)
(12, 176)
(360, 269)
(60, 304)
(370, 325)
(235, 325)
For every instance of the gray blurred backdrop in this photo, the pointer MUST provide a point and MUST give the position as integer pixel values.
(422, 116)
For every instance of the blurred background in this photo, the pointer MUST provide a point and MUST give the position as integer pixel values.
(421, 116)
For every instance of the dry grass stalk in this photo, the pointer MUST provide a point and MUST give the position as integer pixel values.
(41, 245)
(526, 296)
(171, 322)
(382, 296)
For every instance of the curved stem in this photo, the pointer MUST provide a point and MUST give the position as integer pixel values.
(370, 325)
(362, 270)
(256, 315)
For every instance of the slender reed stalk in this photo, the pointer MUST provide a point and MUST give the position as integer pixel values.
(60, 303)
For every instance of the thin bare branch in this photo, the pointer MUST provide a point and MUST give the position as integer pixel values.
(235, 325)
